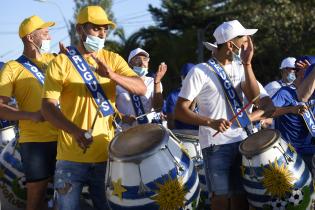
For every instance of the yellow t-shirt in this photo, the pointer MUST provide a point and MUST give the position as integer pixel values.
(64, 82)
(16, 81)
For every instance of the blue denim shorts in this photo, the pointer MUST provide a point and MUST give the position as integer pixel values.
(38, 159)
(222, 168)
(70, 177)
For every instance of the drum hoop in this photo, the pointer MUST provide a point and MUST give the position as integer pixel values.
(266, 147)
(187, 137)
(140, 157)
(6, 128)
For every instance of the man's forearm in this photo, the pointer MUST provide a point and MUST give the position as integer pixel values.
(10, 113)
(157, 97)
(307, 87)
(53, 114)
(133, 85)
(250, 87)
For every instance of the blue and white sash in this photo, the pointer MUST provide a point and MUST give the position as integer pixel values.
(308, 117)
(90, 81)
(138, 107)
(230, 93)
(29, 65)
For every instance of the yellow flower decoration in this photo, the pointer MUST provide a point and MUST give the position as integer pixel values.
(170, 195)
(277, 179)
(118, 189)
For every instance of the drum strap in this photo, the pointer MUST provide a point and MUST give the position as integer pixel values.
(31, 67)
(90, 81)
(230, 93)
(138, 107)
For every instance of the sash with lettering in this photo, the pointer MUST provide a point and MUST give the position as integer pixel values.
(90, 81)
(29, 65)
(230, 93)
(308, 115)
(138, 107)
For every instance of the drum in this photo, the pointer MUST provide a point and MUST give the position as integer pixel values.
(7, 132)
(190, 143)
(274, 175)
(147, 169)
(12, 179)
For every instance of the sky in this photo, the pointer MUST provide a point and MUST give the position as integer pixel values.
(129, 14)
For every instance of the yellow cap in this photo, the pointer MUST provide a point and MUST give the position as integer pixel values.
(95, 15)
(31, 24)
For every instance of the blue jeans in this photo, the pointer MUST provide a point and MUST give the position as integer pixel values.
(70, 177)
(222, 168)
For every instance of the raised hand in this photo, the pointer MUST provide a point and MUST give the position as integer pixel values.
(247, 51)
(160, 72)
(103, 69)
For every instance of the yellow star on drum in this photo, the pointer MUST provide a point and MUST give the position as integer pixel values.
(118, 189)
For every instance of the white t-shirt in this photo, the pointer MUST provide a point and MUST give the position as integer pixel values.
(202, 83)
(274, 86)
(124, 103)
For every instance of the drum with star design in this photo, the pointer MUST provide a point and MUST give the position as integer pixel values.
(147, 169)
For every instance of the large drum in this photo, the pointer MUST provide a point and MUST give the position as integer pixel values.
(274, 175)
(12, 179)
(190, 143)
(147, 169)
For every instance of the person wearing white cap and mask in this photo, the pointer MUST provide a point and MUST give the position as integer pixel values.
(130, 105)
(228, 71)
(287, 69)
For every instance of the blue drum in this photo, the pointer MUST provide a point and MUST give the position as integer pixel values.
(274, 175)
(147, 169)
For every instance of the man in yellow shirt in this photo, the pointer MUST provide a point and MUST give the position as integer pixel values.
(23, 79)
(84, 81)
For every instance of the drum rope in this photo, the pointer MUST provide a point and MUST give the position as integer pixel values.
(175, 161)
(142, 187)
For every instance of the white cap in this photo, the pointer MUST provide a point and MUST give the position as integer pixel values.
(229, 30)
(135, 52)
(288, 62)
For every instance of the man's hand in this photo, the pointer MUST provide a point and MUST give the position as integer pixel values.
(220, 125)
(247, 52)
(302, 65)
(62, 48)
(83, 142)
(129, 119)
(300, 109)
(103, 69)
(36, 116)
(160, 72)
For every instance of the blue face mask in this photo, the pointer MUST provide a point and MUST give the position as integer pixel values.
(237, 56)
(93, 43)
(291, 77)
(141, 71)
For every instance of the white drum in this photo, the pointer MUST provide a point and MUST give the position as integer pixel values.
(147, 170)
(189, 141)
(274, 175)
(7, 134)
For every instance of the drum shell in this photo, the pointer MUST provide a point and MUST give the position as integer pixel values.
(155, 168)
(253, 171)
(7, 134)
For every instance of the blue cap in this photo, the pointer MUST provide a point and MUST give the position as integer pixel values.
(186, 68)
(1, 64)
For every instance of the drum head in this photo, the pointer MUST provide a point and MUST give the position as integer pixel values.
(138, 142)
(259, 142)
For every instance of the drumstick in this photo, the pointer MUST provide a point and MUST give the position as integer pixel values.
(145, 114)
(88, 134)
(238, 113)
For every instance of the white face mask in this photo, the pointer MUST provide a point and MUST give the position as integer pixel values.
(93, 43)
(141, 71)
(236, 56)
(45, 47)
